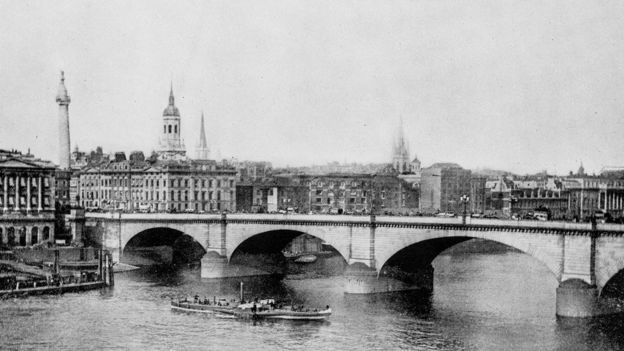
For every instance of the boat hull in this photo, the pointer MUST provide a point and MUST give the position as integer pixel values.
(200, 308)
(282, 314)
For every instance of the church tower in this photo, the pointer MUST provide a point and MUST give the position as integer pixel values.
(171, 145)
(63, 100)
(202, 152)
(400, 154)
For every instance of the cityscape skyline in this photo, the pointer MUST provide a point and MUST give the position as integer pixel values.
(343, 104)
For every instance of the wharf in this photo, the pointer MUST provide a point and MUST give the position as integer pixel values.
(60, 289)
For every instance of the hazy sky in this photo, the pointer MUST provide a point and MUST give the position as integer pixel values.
(517, 85)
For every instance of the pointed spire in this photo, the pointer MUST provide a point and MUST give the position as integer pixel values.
(171, 98)
(171, 109)
(202, 152)
(202, 133)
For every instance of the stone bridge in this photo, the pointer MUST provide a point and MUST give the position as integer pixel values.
(582, 257)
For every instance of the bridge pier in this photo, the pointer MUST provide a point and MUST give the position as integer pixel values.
(364, 280)
(576, 298)
(215, 266)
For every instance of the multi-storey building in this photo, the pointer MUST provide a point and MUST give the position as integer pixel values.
(329, 193)
(591, 195)
(527, 198)
(442, 186)
(498, 200)
(362, 193)
(26, 199)
(270, 195)
(478, 194)
(169, 182)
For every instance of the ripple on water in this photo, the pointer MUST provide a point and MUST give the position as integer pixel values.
(479, 302)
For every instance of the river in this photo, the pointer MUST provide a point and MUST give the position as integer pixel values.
(480, 302)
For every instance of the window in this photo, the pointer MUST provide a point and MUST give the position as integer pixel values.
(165, 129)
(175, 129)
(170, 129)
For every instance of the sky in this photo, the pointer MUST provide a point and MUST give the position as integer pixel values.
(523, 86)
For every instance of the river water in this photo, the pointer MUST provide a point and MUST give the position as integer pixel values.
(480, 302)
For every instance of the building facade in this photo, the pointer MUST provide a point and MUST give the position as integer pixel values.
(591, 195)
(442, 186)
(168, 182)
(26, 199)
(186, 185)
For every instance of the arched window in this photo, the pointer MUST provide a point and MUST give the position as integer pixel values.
(22, 236)
(34, 235)
(11, 236)
(175, 129)
(46, 233)
(170, 129)
(165, 129)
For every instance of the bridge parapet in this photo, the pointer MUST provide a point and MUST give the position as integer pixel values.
(390, 221)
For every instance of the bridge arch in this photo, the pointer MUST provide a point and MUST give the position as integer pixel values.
(429, 243)
(418, 257)
(264, 251)
(161, 236)
(272, 241)
(278, 238)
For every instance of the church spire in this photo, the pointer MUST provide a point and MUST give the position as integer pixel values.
(400, 157)
(171, 98)
(202, 151)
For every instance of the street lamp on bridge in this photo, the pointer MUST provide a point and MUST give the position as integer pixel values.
(464, 200)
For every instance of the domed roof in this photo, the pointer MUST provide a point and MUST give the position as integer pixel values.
(171, 110)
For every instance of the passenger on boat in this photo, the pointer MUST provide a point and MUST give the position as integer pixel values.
(196, 298)
(206, 301)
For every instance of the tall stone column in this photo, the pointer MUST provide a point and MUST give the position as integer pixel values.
(17, 194)
(5, 207)
(28, 180)
(39, 194)
(63, 101)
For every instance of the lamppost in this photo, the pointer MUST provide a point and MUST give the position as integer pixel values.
(464, 200)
